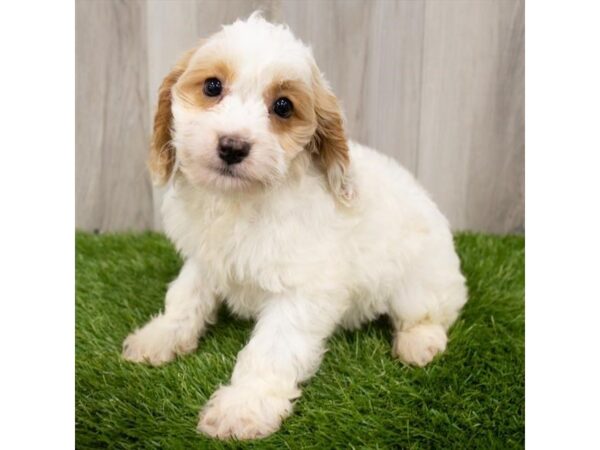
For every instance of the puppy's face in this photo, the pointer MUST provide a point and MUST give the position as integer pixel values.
(242, 109)
(239, 110)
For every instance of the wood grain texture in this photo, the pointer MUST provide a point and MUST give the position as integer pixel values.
(113, 190)
(371, 54)
(338, 33)
(471, 144)
(392, 96)
(439, 85)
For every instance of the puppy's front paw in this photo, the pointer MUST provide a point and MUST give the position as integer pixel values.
(419, 344)
(243, 413)
(158, 342)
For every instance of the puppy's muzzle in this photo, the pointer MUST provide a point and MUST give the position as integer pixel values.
(233, 150)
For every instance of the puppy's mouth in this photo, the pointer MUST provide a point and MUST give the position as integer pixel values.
(227, 172)
(231, 173)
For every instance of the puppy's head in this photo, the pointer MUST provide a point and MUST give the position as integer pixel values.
(238, 111)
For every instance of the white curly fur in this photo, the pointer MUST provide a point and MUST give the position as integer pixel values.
(288, 253)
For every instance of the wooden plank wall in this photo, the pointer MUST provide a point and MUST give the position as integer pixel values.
(438, 84)
(112, 188)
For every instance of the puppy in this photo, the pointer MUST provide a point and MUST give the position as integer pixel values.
(278, 215)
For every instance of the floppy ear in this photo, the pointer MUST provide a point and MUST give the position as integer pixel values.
(162, 152)
(329, 143)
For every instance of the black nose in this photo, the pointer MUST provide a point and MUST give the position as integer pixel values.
(233, 150)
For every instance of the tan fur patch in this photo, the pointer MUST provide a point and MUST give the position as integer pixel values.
(329, 144)
(162, 152)
(190, 87)
(293, 132)
(329, 141)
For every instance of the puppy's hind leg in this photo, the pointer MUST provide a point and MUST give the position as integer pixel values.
(189, 306)
(419, 344)
(421, 315)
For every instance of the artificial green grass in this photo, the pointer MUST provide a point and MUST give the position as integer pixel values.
(471, 397)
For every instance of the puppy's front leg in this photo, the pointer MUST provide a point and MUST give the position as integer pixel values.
(189, 305)
(285, 349)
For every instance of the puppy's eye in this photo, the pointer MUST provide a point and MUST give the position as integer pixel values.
(283, 107)
(212, 87)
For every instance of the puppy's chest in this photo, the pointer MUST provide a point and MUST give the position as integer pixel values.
(243, 250)
(239, 251)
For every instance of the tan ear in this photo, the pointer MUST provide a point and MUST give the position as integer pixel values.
(329, 143)
(162, 152)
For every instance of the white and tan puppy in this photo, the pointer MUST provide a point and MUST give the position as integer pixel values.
(279, 216)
